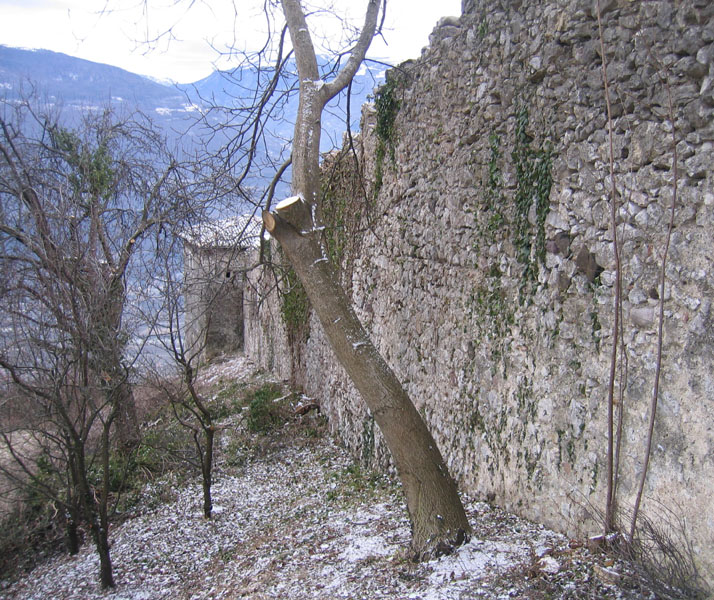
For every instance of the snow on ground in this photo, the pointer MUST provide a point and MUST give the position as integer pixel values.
(296, 520)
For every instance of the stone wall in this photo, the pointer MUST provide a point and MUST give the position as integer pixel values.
(485, 270)
(266, 339)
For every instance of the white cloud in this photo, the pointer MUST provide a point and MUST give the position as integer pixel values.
(115, 31)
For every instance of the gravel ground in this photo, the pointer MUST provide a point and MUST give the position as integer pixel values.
(296, 518)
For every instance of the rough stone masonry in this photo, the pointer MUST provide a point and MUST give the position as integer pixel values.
(485, 264)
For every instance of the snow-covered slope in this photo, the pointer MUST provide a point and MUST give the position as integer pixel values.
(299, 519)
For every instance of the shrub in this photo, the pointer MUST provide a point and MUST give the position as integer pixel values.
(264, 414)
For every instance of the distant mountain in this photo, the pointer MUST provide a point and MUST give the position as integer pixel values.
(78, 85)
(73, 80)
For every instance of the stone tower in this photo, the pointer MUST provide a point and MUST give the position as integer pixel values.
(216, 257)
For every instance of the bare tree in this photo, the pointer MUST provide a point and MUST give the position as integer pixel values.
(438, 519)
(185, 353)
(259, 90)
(76, 207)
(189, 407)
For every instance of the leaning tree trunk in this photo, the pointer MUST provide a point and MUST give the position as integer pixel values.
(438, 519)
(73, 512)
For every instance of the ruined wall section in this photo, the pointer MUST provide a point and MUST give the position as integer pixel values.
(486, 271)
(216, 256)
(213, 290)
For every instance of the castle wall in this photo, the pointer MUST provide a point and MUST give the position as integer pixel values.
(486, 274)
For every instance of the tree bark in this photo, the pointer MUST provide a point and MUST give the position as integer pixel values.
(72, 518)
(102, 520)
(95, 512)
(72, 536)
(101, 538)
(438, 519)
(206, 469)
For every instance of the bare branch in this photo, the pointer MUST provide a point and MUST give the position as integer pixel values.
(358, 53)
(617, 310)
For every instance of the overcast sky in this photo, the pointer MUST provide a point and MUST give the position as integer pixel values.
(115, 31)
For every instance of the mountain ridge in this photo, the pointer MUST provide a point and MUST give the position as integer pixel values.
(74, 78)
(80, 83)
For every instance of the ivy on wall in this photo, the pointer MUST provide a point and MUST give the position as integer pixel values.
(490, 217)
(344, 211)
(533, 183)
(507, 213)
